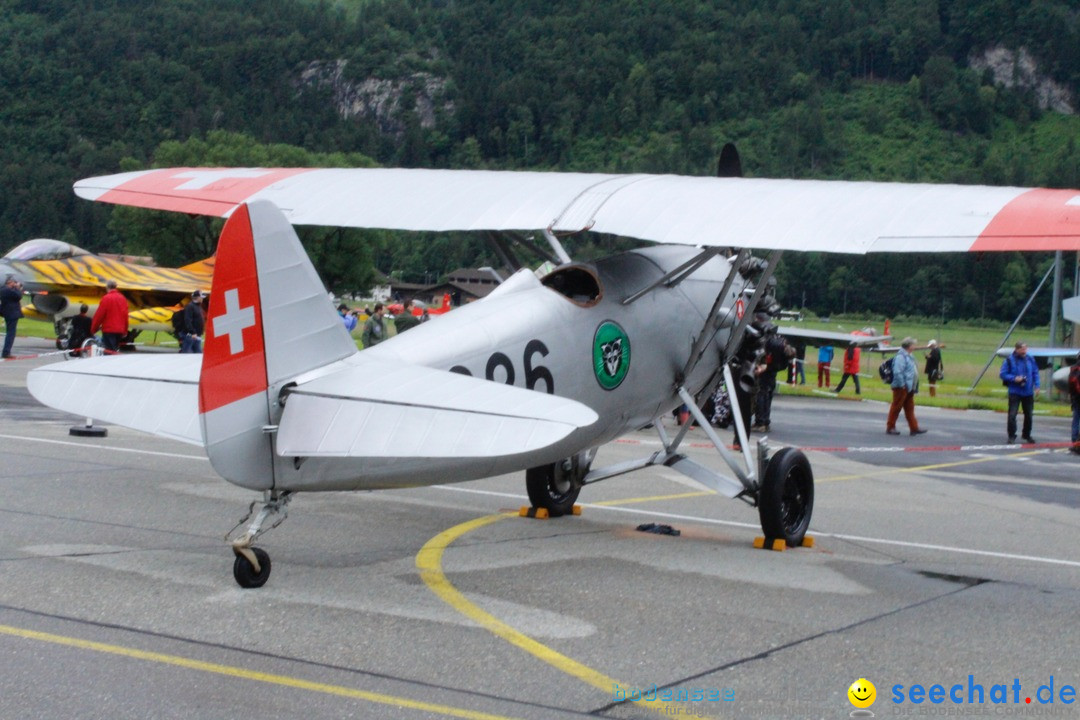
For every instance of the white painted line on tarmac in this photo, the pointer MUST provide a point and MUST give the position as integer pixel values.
(107, 448)
(815, 533)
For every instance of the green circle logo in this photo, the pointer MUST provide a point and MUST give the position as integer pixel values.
(611, 355)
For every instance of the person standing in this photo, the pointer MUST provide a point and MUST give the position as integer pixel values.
(80, 330)
(824, 362)
(1020, 374)
(111, 318)
(348, 317)
(10, 310)
(194, 325)
(374, 330)
(1074, 394)
(778, 354)
(407, 319)
(905, 383)
(935, 369)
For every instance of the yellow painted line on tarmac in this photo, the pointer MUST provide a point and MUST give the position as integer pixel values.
(429, 562)
(937, 466)
(245, 674)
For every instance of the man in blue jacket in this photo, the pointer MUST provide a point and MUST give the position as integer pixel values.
(1020, 374)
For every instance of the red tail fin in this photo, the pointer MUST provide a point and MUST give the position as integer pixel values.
(234, 364)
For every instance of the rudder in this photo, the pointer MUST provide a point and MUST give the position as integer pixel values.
(269, 320)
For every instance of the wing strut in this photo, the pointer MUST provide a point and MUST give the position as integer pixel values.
(680, 273)
(744, 485)
(505, 253)
(1023, 311)
(706, 336)
(556, 246)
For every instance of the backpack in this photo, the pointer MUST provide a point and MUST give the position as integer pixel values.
(885, 370)
(178, 324)
(1074, 379)
(1011, 371)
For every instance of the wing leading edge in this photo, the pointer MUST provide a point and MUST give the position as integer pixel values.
(816, 215)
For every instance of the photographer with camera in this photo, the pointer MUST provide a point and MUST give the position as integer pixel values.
(11, 310)
(777, 355)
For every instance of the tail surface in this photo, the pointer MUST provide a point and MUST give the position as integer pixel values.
(269, 321)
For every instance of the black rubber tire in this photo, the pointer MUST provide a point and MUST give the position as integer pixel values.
(551, 488)
(786, 498)
(244, 572)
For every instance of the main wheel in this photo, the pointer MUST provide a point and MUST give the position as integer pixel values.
(553, 487)
(786, 498)
(244, 571)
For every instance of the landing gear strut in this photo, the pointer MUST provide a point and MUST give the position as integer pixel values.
(251, 568)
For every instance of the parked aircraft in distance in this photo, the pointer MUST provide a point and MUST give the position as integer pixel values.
(419, 307)
(59, 277)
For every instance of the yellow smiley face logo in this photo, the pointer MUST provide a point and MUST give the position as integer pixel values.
(862, 693)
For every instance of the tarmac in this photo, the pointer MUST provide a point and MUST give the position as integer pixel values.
(932, 566)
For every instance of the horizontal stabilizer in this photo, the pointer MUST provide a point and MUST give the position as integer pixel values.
(158, 394)
(384, 409)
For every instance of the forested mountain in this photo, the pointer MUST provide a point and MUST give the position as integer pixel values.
(947, 90)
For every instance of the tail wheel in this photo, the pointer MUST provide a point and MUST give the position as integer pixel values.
(244, 572)
(786, 498)
(555, 487)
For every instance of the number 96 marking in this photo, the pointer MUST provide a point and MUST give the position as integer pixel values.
(533, 373)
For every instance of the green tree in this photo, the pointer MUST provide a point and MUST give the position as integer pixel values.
(344, 258)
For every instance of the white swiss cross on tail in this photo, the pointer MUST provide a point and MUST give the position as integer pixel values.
(234, 321)
(234, 360)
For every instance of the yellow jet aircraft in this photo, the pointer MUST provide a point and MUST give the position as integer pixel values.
(59, 277)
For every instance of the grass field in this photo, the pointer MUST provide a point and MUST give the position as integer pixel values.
(965, 353)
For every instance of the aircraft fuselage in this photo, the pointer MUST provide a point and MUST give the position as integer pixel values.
(580, 342)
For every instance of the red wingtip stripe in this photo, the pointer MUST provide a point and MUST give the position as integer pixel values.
(1039, 219)
(234, 360)
(202, 191)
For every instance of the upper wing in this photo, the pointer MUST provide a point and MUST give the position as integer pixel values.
(826, 337)
(850, 217)
(157, 394)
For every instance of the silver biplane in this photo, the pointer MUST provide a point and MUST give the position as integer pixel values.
(540, 373)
